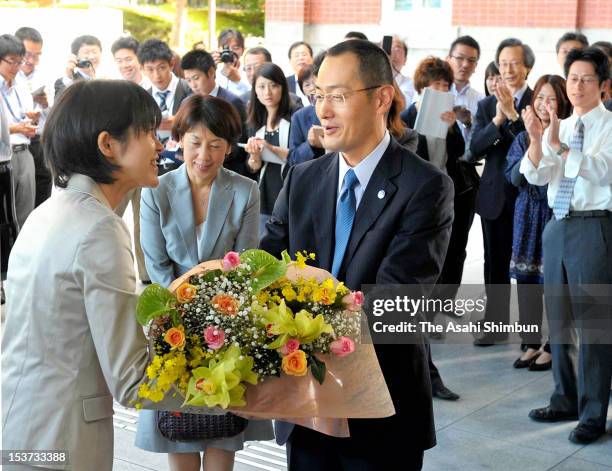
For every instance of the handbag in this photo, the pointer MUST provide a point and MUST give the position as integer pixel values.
(178, 426)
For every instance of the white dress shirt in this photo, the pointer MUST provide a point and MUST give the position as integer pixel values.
(17, 100)
(406, 85)
(174, 81)
(5, 137)
(214, 91)
(592, 165)
(363, 170)
(32, 83)
(468, 98)
(237, 88)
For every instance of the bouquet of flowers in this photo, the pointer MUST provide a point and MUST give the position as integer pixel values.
(241, 321)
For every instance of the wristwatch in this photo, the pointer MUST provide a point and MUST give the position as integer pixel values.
(562, 149)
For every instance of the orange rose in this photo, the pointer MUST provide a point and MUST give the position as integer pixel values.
(226, 304)
(175, 337)
(295, 363)
(185, 293)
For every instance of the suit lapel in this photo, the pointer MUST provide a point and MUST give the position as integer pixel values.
(219, 203)
(179, 96)
(182, 209)
(525, 100)
(378, 193)
(324, 214)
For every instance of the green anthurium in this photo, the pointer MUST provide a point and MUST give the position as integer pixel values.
(155, 301)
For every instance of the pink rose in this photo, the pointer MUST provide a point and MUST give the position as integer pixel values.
(214, 337)
(343, 346)
(354, 300)
(231, 261)
(291, 346)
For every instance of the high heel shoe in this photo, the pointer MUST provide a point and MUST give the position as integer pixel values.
(533, 366)
(525, 363)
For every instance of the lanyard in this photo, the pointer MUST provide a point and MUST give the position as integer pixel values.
(8, 105)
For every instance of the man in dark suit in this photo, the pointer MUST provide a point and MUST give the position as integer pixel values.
(200, 73)
(372, 212)
(168, 90)
(498, 122)
(300, 56)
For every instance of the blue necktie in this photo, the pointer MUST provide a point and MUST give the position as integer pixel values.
(162, 100)
(345, 215)
(563, 198)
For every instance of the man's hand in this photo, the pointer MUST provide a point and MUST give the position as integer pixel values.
(499, 117)
(166, 124)
(315, 137)
(533, 125)
(41, 99)
(506, 101)
(24, 128)
(463, 115)
(70, 66)
(33, 116)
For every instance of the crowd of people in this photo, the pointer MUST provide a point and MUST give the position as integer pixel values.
(325, 160)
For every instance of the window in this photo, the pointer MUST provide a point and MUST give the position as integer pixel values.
(432, 3)
(404, 5)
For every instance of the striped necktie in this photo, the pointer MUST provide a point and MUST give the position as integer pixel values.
(163, 106)
(345, 215)
(566, 187)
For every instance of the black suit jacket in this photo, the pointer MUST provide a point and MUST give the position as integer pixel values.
(492, 144)
(236, 161)
(608, 105)
(292, 83)
(182, 91)
(398, 239)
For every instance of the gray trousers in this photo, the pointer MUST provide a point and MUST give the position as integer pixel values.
(134, 198)
(578, 252)
(25, 184)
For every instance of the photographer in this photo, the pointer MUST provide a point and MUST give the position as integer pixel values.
(231, 48)
(82, 63)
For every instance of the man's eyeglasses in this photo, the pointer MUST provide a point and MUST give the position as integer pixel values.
(585, 79)
(14, 63)
(337, 99)
(470, 60)
(33, 55)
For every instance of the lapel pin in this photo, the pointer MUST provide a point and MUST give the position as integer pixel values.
(381, 194)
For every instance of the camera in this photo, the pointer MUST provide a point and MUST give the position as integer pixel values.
(228, 56)
(83, 64)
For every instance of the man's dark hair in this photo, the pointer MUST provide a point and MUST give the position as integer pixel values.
(84, 110)
(228, 34)
(30, 34)
(317, 61)
(572, 36)
(528, 55)
(205, 111)
(355, 35)
(257, 112)
(11, 46)
(297, 44)
(127, 42)
(86, 40)
(259, 50)
(468, 41)
(198, 60)
(605, 46)
(154, 50)
(374, 65)
(595, 56)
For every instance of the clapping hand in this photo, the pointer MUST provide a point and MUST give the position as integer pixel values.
(553, 129)
(533, 125)
(505, 100)
(315, 137)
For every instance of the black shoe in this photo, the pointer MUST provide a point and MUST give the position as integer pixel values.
(540, 366)
(442, 392)
(145, 282)
(546, 414)
(525, 363)
(2, 299)
(488, 340)
(585, 434)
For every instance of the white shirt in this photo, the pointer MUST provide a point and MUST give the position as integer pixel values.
(5, 137)
(363, 170)
(592, 166)
(214, 91)
(237, 88)
(32, 83)
(406, 85)
(174, 81)
(17, 100)
(468, 98)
